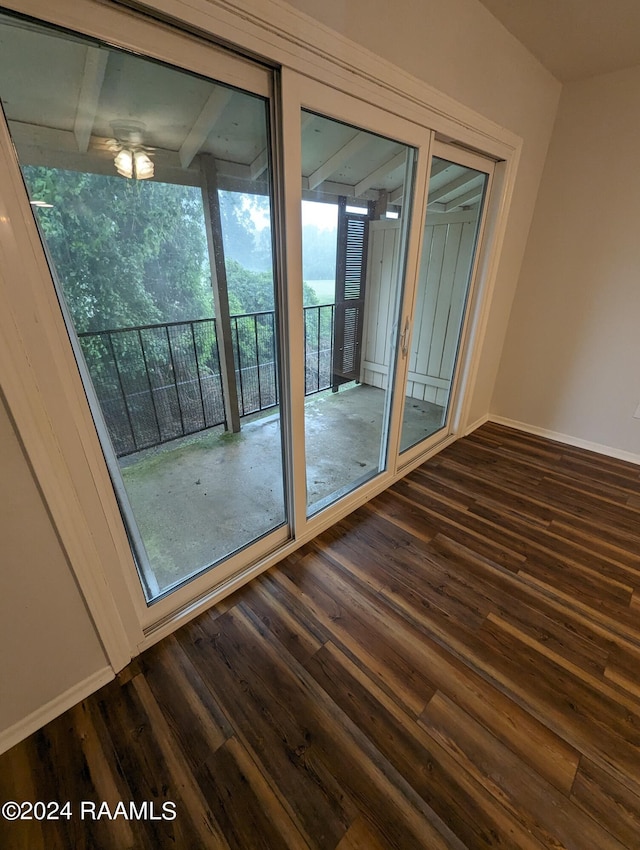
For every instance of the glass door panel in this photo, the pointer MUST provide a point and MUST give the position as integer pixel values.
(356, 192)
(454, 211)
(152, 192)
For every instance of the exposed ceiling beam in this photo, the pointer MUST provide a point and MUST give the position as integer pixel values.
(35, 136)
(339, 158)
(397, 196)
(452, 186)
(95, 65)
(259, 165)
(386, 168)
(465, 200)
(331, 191)
(437, 167)
(204, 124)
(58, 149)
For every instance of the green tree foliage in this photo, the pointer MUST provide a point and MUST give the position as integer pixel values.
(245, 229)
(126, 252)
(253, 292)
(131, 252)
(248, 253)
(249, 291)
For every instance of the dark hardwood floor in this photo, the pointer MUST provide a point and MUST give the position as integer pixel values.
(457, 664)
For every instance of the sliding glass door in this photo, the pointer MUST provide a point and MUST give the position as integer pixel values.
(455, 204)
(238, 411)
(356, 190)
(152, 192)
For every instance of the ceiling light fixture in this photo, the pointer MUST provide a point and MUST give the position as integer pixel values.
(131, 156)
(133, 163)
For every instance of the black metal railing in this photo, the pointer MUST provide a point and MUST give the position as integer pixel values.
(254, 353)
(318, 347)
(158, 382)
(155, 382)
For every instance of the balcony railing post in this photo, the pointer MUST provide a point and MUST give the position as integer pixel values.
(211, 203)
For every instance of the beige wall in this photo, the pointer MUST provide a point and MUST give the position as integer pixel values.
(48, 641)
(459, 48)
(571, 361)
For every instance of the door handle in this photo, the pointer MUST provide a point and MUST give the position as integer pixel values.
(404, 339)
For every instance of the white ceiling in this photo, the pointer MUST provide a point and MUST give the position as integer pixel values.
(574, 38)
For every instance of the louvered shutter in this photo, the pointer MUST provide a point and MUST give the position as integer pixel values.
(351, 271)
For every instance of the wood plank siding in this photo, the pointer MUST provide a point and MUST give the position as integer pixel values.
(447, 254)
(456, 664)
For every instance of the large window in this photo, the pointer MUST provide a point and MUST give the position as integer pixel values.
(152, 191)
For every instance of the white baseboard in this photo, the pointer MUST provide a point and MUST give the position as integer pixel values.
(601, 449)
(470, 428)
(55, 707)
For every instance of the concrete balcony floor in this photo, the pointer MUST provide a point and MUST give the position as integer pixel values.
(198, 499)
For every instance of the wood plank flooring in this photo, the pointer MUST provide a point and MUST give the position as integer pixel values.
(455, 665)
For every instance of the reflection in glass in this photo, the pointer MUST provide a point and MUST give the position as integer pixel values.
(152, 192)
(454, 209)
(356, 204)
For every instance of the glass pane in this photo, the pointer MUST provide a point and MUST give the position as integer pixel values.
(356, 191)
(454, 209)
(151, 189)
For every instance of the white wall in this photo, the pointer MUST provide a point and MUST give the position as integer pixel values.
(571, 361)
(48, 641)
(460, 48)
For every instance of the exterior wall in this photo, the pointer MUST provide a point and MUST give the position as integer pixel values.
(571, 357)
(459, 48)
(442, 285)
(48, 644)
(446, 259)
(382, 264)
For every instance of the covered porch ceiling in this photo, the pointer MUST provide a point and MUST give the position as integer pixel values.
(66, 111)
